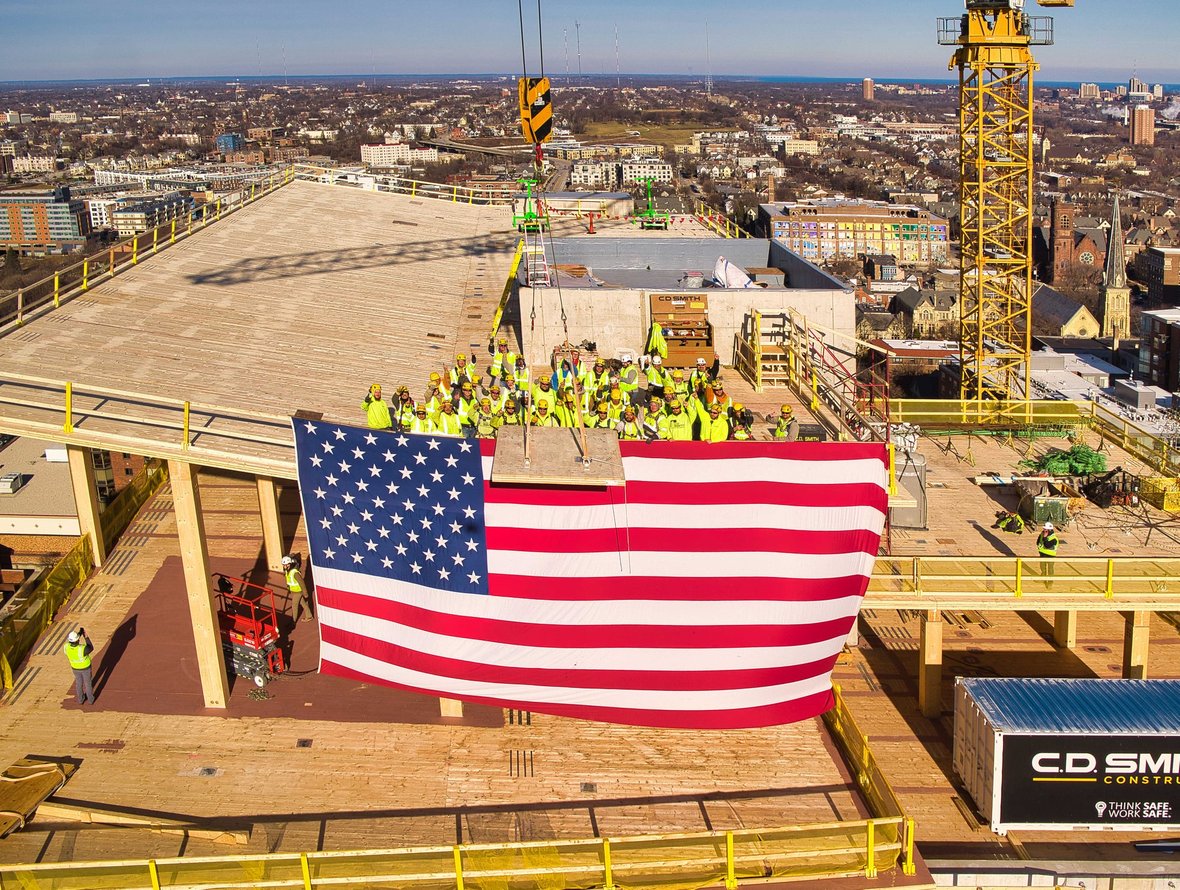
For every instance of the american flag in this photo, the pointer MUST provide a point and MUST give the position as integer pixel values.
(714, 589)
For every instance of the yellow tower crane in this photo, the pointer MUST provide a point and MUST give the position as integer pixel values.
(996, 190)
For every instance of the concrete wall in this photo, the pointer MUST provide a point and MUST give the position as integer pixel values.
(618, 320)
(685, 254)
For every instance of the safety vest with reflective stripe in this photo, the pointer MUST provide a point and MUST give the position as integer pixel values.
(292, 578)
(377, 412)
(76, 653)
(1047, 544)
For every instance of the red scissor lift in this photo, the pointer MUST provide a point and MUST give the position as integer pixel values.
(249, 625)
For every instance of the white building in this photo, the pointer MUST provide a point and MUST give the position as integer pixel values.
(63, 117)
(396, 154)
(34, 164)
(650, 168)
(594, 174)
(149, 213)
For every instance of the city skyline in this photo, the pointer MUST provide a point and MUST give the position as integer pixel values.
(75, 41)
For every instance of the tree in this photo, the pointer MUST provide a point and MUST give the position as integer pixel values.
(11, 262)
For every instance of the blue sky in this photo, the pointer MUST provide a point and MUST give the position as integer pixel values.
(69, 39)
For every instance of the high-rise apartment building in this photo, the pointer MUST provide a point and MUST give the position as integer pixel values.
(1160, 267)
(396, 154)
(1142, 121)
(43, 222)
(867, 87)
(1158, 91)
(1089, 92)
(228, 142)
(832, 228)
(1135, 85)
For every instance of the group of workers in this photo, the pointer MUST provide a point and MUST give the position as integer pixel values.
(672, 405)
(1013, 522)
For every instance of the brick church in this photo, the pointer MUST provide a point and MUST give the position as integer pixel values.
(1062, 244)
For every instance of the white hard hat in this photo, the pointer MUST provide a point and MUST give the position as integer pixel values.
(73, 637)
(1048, 526)
(656, 360)
(700, 361)
(627, 357)
(288, 561)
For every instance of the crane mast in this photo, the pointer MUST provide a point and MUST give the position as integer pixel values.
(996, 70)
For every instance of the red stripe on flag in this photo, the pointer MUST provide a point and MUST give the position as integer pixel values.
(788, 494)
(640, 587)
(584, 636)
(691, 540)
(672, 681)
(791, 711)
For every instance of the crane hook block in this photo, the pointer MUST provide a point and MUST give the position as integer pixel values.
(536, 109)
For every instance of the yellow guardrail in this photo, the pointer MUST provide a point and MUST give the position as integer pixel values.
(29, 619)
(728, 858)
(100, 417)
(35, 612)
(414, 188)
(946, 413)
(870, 778)
(718, 222)
(1087, 583)
(50, 292)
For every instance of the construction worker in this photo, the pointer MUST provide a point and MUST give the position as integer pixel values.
(677, 426)
(77, 649)
(600, 419)
(541, 415)
(566, 411)
(542, 392)
(740, 420)
(1047, 544)
(598, 377)
(404, 408)
(447, 422)
(714, 425)
(628, 378)
(699, 378)
(462, 371)
(680, 386)
(520, 376)
(503, 361)
(615, 404)
(511, 415)
(565, 376)
(715, 393)
(376, 410)
(484, 420)
(466, 403)
(434, 393)
(1007, 521)
(421, 422)
(498, 396)
(300, 595)
(657, 377)
(629, 428)
(787, 428)
(651, 418)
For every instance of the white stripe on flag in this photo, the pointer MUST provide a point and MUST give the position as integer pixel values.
(658, 613)
(673, 516)
(679, 564)
(567, 658)
(644, 699)
(753, 469)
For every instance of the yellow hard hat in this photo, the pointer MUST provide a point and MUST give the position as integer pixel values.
(475, 378)
(461, 357)
(676, 403)
(503, 341)
(602, 406)
(615, 392)
(787, 409)
(678, 374)
(434, 377)
(485, 401)
(737, 406)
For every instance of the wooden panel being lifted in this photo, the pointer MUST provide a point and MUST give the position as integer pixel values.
(555, 457)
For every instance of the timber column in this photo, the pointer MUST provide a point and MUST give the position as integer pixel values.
(86, 499)
(1135, 639)
(190, 529)
(1065, 629)
(930, 664)
(272, 533)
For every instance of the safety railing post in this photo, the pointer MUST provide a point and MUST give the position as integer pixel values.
(172, 233)
(1019, 577)
(892, 470)
(1110, 579)
(111, 262)
(68, 426)
(413, 188)
(306, 869)
(907, 866)
(20, 305)
(5, 672)
(608, 879)
(135, 250)
(917, 576)
(730, 871)
(458, 868)
(154, 874)
(56, 289)
(155, 239)
(85, 274)
(219, 208)
(186, 427)
(870, 850)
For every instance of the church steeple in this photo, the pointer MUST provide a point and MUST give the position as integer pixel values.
(1116, 294)
(1116, 260)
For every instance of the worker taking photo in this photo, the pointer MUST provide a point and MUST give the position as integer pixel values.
(298, 588)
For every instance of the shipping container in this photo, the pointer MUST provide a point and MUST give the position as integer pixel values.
(1061, 754)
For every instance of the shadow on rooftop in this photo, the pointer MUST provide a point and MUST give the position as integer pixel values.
(325, 262)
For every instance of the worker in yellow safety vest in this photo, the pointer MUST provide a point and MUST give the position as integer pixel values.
(376, 410)
(467, 402)
(677, 426)
(657, 377)
(484, 420)
(462, 371)
(651, 418)
(434, 393)
(680, 386)
(598, 376)
(628, 377)
(699, 378)
(77, 649)
(503, 361)
(787, 428)
(520, 375)
(421, 423)
(498, 396)
(715, 393)
(542, 417)
(629, 428)
(404, 407)
(300, 594)
(600, 419)
(511, 416)
(542, 393)
(447, 422)
(739, 418)
(714, 425)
